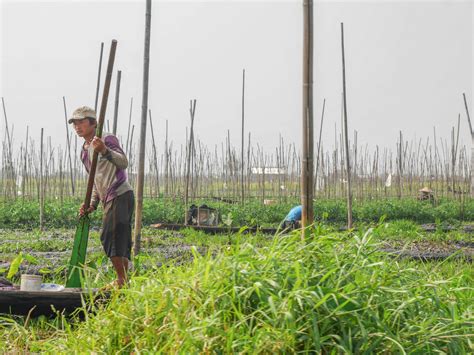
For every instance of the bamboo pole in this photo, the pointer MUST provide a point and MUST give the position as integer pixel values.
(75, 157)
(117, 99)
(24, 174)
(243, 139)
(346, 134)
(319, 147)
(471, 129)
(68, 142)
(9, 151)
(155, 157)
(192, 111)
(308, 145)
(454, 154)
(141, 157)
(249, 168)
(100, 122)
(127, 148)
(9, 154)
(400, 165)
(167, 160)
(41, 187)
(98, 76)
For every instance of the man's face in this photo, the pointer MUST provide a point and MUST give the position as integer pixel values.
(83, 127)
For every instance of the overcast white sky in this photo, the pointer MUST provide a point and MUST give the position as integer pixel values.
(408, 64)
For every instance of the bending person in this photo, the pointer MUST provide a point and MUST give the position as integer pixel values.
(293, 218)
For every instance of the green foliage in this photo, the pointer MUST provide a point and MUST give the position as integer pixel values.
(332, 294)
(25, 214)
(16, 263)
(393, 209)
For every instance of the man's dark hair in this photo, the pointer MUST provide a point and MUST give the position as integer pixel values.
(92, 121)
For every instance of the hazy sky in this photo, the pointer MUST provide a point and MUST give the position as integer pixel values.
(408, 64)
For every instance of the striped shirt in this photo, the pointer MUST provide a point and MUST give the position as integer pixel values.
(111, 177)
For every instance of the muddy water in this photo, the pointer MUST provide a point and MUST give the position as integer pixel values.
(52, 261)
(431, 250)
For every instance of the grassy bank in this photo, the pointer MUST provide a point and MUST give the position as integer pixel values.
(333, 293)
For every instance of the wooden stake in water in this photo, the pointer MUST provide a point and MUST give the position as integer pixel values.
(141, 154)
(41, 184)
(243, 142)
(68, 142)
(308, 145)
(346, 134)
(155, 156)
(471, 129)
(192, 111)
(117, 99)
(9, 155)
(25, 165)
(127, 147)
(98, 76)
(400, 165)
(318, 149)
(167, 160)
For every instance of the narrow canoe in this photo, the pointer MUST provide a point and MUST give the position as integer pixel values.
(14, 301)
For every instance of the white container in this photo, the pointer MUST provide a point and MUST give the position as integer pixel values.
(31, 282)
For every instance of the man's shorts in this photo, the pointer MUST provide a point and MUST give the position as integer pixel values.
(116, 236)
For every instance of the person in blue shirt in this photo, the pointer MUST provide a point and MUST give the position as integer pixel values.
(293, 218)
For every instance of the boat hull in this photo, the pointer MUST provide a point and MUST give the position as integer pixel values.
(14, 301)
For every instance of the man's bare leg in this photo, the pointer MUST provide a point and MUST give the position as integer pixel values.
(121, 267)
(125, 263)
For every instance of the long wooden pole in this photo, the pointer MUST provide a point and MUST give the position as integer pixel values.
(141, 154)
(23, 183)
(346, 134)
(98, 76)
(192, 110)
(319, 146)
(68, 142)
(243, 139)
(467, 113)
(129, 124)
(472, 144)
(454, 155)
(166, 161)
(9, 150)
(400, 166)
(100, 123)
(155, 156)
(308, 145)
(117, 99)
(41, 187)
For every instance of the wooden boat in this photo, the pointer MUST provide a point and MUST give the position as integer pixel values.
(14, 301)
(213, 229)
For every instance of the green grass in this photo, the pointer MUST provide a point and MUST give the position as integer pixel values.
(335, 293)
(25, 214)
(51, 247)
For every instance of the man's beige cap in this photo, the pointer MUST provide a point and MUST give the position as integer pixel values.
(82, 113)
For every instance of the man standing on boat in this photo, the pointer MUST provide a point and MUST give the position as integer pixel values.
(111, 187)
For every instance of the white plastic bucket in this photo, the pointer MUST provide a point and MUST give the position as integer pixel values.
(30, 282)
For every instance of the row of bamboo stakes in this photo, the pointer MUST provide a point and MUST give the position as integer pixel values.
(57, 172)
(195, 171)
